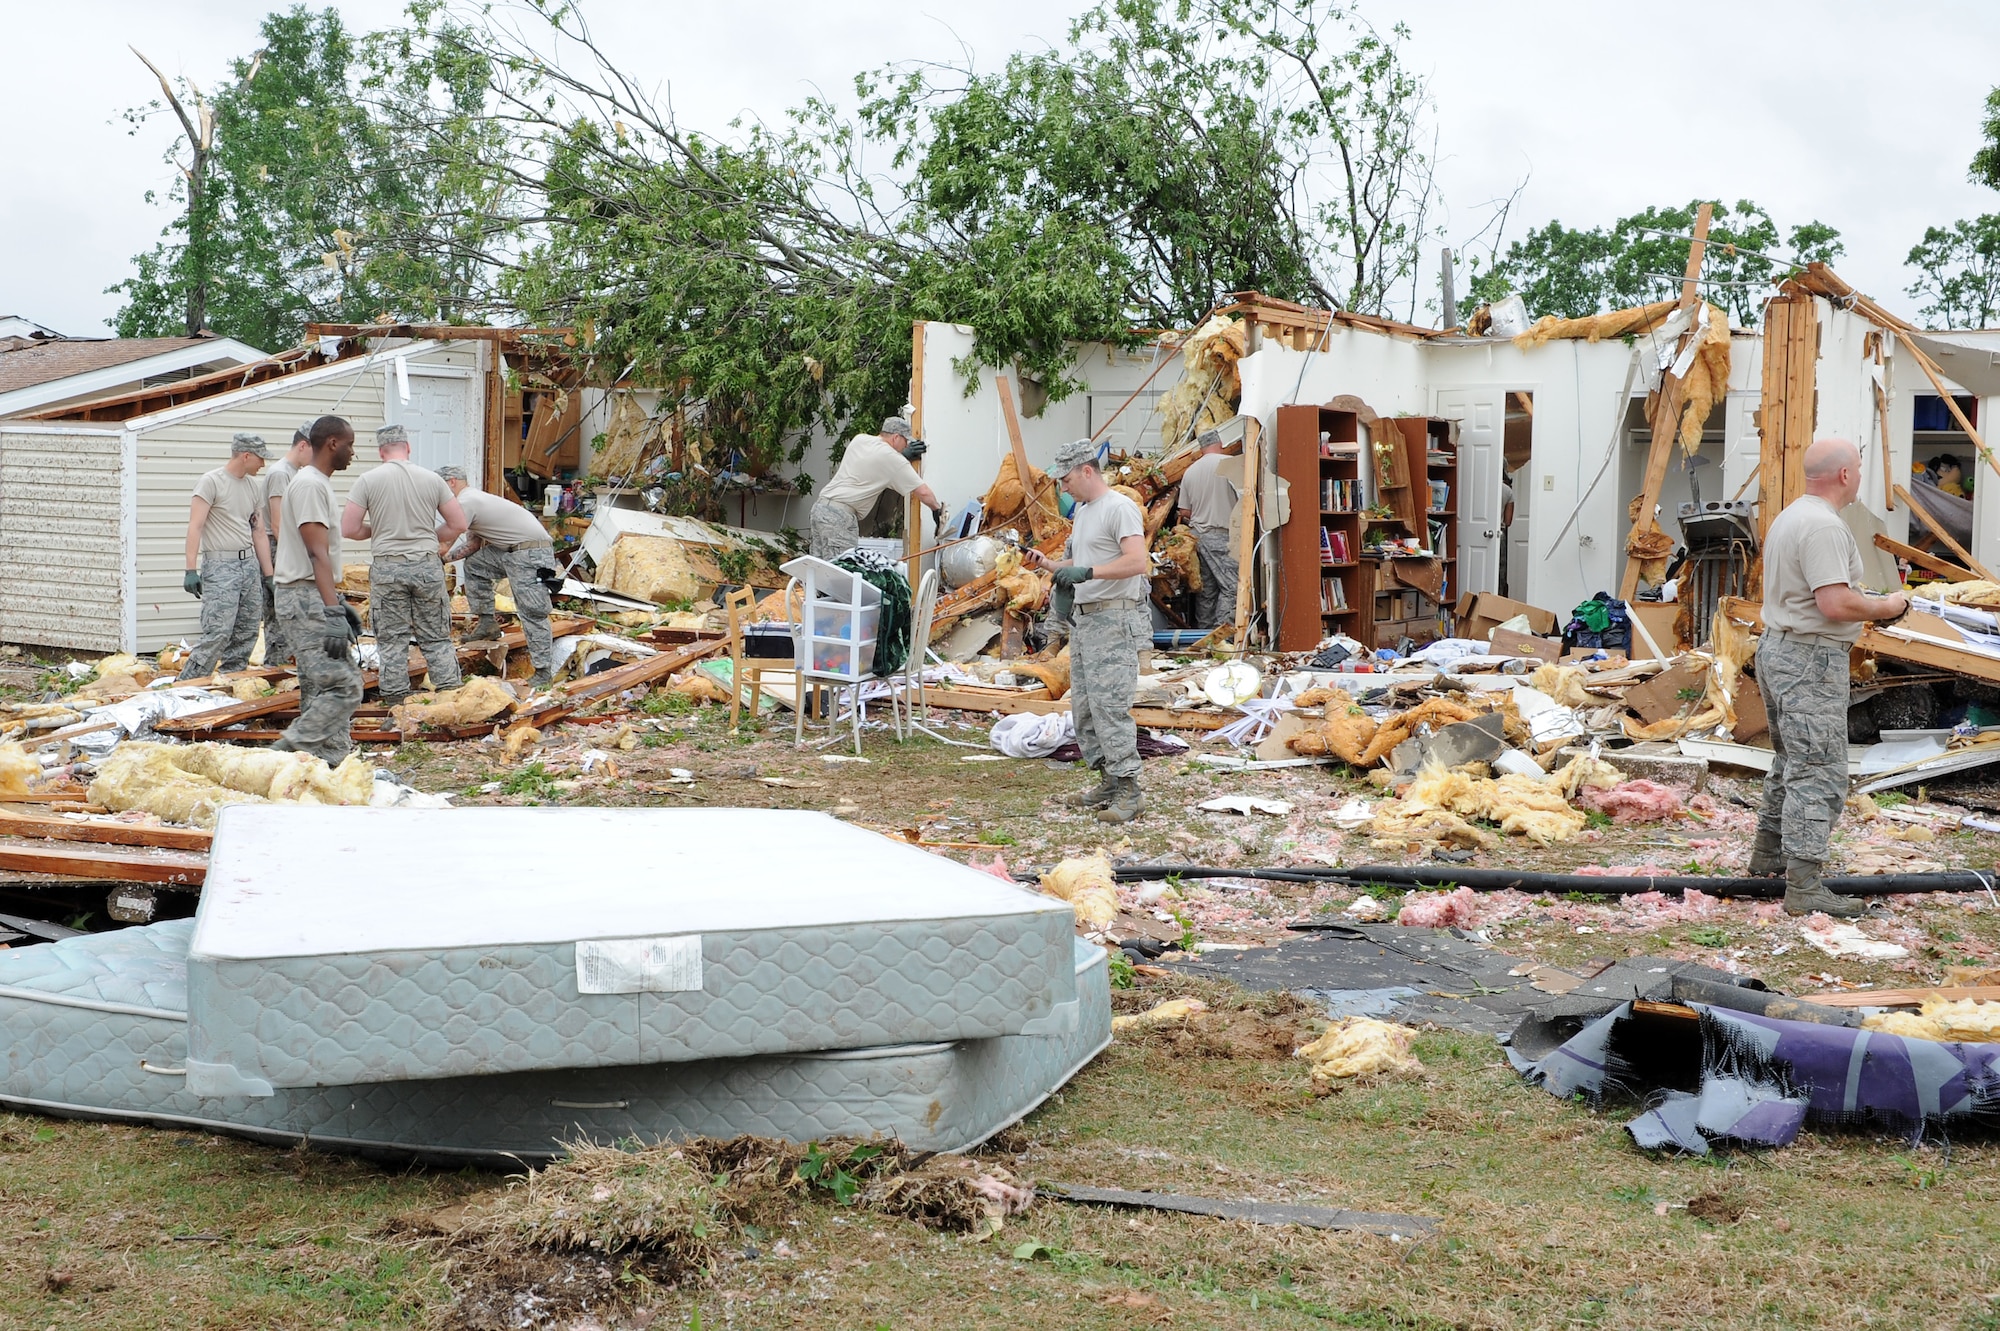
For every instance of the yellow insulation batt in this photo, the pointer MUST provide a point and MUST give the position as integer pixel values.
(1086, 884)
(1345, 734)
(1209, 388)
(1160, 1014)
(1521, 805)
(1564, 684)
(1178, 544)
(1053, 673)
(480, 699)
(652, 568)
(17, 768)
(1597, 327)
(1941, 1018)
(1361, 1047)
(1435, 712)
(189, 783)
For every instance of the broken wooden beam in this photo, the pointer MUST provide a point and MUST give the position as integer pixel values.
(127, 866)
(104, 833)
(1937, 529)
(1924, 559)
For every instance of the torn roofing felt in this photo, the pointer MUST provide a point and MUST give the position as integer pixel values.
(1757, 1080)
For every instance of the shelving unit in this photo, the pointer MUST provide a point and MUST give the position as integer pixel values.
(1417, 470)
(1321, 587)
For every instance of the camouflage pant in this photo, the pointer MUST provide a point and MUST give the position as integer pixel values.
(1804, 687)
(835, 530)
(485, 567)
(329, 687)
(232, 604)
(1215, 603)
(1104, 647)
(407, 602)
(277, 651)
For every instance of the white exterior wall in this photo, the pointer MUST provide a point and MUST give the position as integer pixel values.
(63, 535)
(174, 449)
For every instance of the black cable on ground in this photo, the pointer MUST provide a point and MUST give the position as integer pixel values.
(1497, 880)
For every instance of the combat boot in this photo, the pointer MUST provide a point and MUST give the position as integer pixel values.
(1767, 856)
(1098, 795)
(486, 630)
(1805, 893)
(1125, 802)
(540, 680)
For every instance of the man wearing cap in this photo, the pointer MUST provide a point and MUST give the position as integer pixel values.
(1110, 626)
(318, 624)
(505, 540)
(227, 559)
(1208, 501)
(871, 464)
(276, 477)
(397, 508)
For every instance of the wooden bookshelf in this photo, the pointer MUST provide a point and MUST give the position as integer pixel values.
(1321, 584)
(1416, 468)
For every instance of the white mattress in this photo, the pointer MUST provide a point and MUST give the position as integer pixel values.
(336, 946)
(96, 1027)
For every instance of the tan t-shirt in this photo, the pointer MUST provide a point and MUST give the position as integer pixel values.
(869, 467)
(276, 478)
(232, 503)
(497, 521)
(1209, 492)
(1809, 547)
(402, 501)
(1096, 529)
(309, 498)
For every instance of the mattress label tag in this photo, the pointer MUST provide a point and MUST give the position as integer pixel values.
(639, 965)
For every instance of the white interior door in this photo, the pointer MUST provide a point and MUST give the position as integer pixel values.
(438, 416)
(1480, 413)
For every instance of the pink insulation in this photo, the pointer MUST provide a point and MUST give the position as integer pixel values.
(1440, 910)
(1640, 801)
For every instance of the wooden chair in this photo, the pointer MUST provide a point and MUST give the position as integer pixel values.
(744, 669)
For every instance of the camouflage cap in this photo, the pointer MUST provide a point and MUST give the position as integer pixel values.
(896, 425)
(1210, 439)
(1071, 456)
(451, 473)
(247, 443)
(391, 434)
(304, 434)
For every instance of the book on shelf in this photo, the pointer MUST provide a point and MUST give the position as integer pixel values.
(1336, 546)
(1440, 496)
(1337, 496)
(1438, 535)
(1332, 596)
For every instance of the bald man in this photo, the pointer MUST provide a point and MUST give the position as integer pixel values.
(1814, 608)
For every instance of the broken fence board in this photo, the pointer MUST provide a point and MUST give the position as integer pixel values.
(102, 833)
(1906, 997)
(1260, 1213)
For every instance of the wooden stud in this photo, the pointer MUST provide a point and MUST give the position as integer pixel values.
(1924, 558)
(130, 866)
(1246, 538)
(1666, 409)
(1937, 530)
(16, 824)
(1882, 421)
(1031, 498)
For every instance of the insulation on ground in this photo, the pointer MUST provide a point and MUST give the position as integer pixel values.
(1521, 805)
(1085, 882)
(17, 768)
(481, 698)
(651, 568)
(1940, 1018)
(190, 783)
(1361, 1047)
(1639, 801)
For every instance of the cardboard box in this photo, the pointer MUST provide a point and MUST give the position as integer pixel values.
(1659, 618)
(1506, 642)
(1479, 612)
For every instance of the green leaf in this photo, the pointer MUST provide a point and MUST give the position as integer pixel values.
(1031, 1250)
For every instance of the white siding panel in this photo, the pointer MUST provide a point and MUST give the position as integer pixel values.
(61, 565)
(173, 456)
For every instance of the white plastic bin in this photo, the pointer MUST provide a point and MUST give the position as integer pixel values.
(841, 613)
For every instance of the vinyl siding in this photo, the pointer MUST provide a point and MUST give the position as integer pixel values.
(61, 547)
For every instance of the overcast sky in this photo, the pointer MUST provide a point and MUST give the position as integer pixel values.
(1855, 114)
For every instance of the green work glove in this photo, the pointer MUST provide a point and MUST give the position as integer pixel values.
(1072, 575)
(1062, 602)
(271, 586)
(191, 583)
(338, 631)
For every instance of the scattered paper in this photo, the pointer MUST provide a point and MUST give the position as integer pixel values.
(1355, 813)
(1838, 938)
(1246, 804)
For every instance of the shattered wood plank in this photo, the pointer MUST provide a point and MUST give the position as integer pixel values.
(101, 833)
(1907, 997)
(1924, 558)
(123, 866)
(1666, 419)
(1260, 1213)
(1939, 655)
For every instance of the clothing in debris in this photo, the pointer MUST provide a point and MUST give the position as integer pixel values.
(1804, 686)
(1096, 531)
(1105, 640)
(1215, 603)
(329, 687)
(892, 628)
(232, 506)
(232, 609)
(522, 567)
(1809, 547)
(835, 531)
(308, 499)
(408, 602)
